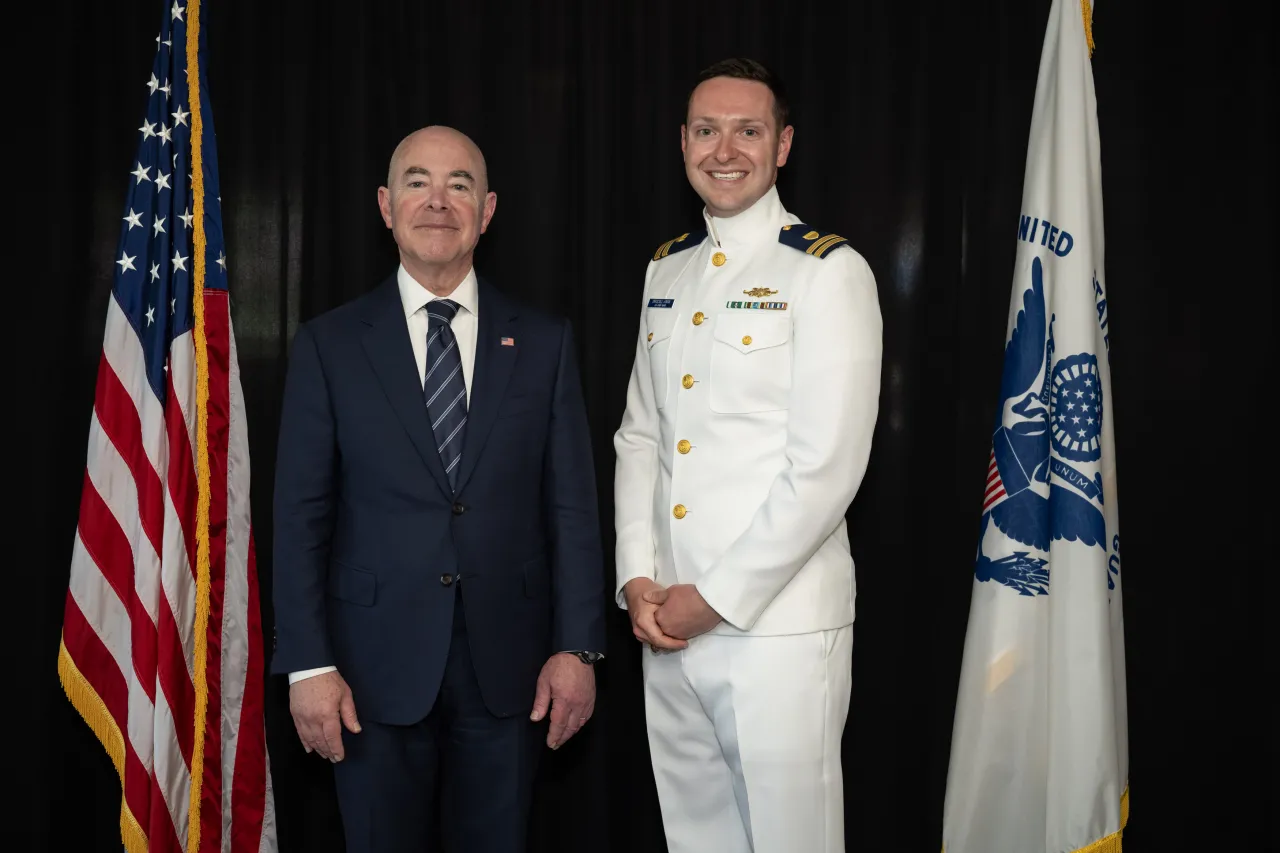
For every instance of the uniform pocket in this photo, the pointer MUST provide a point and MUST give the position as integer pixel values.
(750, 364)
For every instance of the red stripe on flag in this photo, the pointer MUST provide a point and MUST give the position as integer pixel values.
(162, 836)
(119, 419)
(217, 330)
(181, 474)
(107, 545)
(99, 669)
(995, 486)
(248, 794)
(175, 681)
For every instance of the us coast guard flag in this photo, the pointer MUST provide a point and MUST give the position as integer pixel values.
(1039, 755)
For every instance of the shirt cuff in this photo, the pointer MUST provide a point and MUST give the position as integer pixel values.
(295, 677)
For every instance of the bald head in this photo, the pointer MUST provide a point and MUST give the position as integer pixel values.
(438, 136)
(437, 203)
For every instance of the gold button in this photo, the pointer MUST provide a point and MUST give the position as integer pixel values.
(718, 259)
(746, 340)
(684, 445)
(698, 318)
(687, 381)
(650, 336)
(679, 511)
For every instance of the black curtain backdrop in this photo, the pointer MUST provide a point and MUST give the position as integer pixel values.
(911, 130)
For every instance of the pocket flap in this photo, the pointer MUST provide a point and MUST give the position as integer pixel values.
(748, 332)
(354, 585)
(659, 323)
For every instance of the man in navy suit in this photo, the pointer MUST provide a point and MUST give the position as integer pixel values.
(438, 562)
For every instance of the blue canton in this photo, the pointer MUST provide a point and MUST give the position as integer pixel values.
(153, 279)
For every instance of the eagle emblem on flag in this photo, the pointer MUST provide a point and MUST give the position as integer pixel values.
(1050, 416)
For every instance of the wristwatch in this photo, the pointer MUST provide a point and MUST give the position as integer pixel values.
(589, 658)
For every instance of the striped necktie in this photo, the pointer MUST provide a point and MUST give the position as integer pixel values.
(444, 389)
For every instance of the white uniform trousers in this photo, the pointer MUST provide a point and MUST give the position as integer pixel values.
(744, 734)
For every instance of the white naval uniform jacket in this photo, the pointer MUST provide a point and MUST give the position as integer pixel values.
(748, 424)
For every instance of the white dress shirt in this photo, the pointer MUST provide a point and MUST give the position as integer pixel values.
(414, 297)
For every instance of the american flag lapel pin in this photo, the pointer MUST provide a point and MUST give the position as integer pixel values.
(508, 342)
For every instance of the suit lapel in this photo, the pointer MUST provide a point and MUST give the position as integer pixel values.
(493, 366)
(386, 342)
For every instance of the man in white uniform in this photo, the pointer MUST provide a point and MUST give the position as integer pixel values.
(747, 430)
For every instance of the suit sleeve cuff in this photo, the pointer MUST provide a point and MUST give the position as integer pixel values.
(295, 677)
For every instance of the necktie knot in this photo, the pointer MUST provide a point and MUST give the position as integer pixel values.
(440, 312)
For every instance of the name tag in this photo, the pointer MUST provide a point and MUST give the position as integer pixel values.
(661, 303)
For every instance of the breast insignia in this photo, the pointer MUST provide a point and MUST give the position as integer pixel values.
(809, 240)
(759, 292)
(679, 244)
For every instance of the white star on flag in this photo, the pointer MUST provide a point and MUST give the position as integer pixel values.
(162, 182)
(126, 262)
(153, 84)
(222, 260)
(158, 225)
(178, 10)
(187, 217)
(179, 117)
(165, 88)
(148, 129)
(166, 135)
(133, 218)
(141, 173)
(179, 262)
(155, 271)
(151, 314)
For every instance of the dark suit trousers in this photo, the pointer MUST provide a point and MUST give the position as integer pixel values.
(460, 776)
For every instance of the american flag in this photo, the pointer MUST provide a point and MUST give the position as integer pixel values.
(162, 646)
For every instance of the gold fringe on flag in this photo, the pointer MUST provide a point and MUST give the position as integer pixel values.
(1111, 843)
(94, 711)
(1087, 9)
(202, 430)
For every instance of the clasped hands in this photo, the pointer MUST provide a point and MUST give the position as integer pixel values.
(667, 617)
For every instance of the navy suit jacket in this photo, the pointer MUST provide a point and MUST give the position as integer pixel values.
(369, 538)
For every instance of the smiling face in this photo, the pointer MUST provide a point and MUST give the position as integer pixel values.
(732, 144)
(437, 201)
